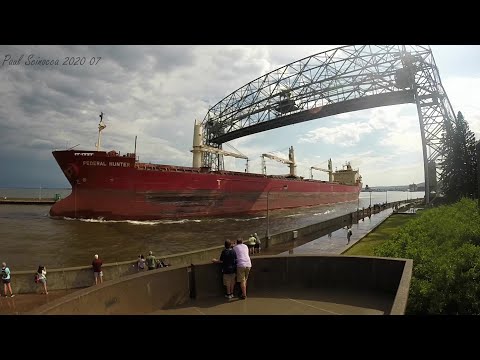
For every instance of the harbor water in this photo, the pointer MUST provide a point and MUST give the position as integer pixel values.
(30, 237)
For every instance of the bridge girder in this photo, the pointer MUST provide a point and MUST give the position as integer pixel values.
(340, 80)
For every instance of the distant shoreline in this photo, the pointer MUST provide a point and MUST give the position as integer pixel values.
(27, 201)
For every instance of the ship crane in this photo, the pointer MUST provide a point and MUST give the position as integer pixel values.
(209, 149)
(290, 161)
(101, 126)
(199, 148)
(329, 170)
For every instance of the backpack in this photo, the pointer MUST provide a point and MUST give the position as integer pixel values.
(36, 278)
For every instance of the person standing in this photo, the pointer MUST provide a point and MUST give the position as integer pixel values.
(151, 261)
(42, 278)
(258, 243)
(244, 264)
(97, 269)
(6, 280)
(349, 235)
(250, 243)
(228, 259)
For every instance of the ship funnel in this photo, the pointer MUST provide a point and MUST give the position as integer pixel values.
(197, 145)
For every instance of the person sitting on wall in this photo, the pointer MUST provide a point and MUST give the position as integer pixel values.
(161, 263)
(141, 263)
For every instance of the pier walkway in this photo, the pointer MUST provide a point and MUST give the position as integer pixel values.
(334, 243)
(289, 302)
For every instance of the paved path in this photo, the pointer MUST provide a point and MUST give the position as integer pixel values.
(289, 302)
(334, 243)
(22, 303)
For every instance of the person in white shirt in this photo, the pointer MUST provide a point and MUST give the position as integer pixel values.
(244, 264)
(42, 278)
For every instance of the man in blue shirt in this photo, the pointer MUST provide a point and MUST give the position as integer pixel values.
(228, 259)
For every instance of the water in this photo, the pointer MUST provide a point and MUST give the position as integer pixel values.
(30, 237)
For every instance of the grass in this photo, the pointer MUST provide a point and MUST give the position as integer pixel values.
(382, 233)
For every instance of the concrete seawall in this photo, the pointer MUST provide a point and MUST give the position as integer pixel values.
(79, 277)
(177, 286)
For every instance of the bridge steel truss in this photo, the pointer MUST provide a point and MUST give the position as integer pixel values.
(340, 80)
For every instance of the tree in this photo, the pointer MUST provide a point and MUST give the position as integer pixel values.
(459, 165)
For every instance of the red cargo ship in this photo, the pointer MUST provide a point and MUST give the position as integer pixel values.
(112, 186)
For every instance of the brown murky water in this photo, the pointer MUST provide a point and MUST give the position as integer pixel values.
(30, 237)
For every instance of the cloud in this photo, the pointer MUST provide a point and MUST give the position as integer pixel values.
(463, 94)
(343, 135)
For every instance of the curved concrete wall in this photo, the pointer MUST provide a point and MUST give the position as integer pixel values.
(82, 276)
(163, 288)
(135, 294)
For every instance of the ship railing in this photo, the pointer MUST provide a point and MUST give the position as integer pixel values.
(154, 167)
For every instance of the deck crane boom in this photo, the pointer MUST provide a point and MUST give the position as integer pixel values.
(199, 148)
(290, 162)
(329, 170)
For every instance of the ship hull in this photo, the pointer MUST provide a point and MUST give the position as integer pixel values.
(118, 188)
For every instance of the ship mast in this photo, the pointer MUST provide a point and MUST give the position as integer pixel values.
(199, 148)
(101, 126)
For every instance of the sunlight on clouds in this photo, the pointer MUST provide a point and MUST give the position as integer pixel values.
(343, 135)
(463, 94)
(398, 174)
(344, 116)
(403, 141)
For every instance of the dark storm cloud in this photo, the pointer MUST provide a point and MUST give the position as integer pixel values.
(41, 144)
(154, 92)
(138, 58)
(29, 172)
(169, 57)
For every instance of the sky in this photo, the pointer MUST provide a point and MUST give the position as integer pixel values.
(157, 92)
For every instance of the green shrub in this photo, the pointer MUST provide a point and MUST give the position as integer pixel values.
(444, 244)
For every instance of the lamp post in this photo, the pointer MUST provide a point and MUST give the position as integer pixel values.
(386, 201)
(284, 187)
(370, 198)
